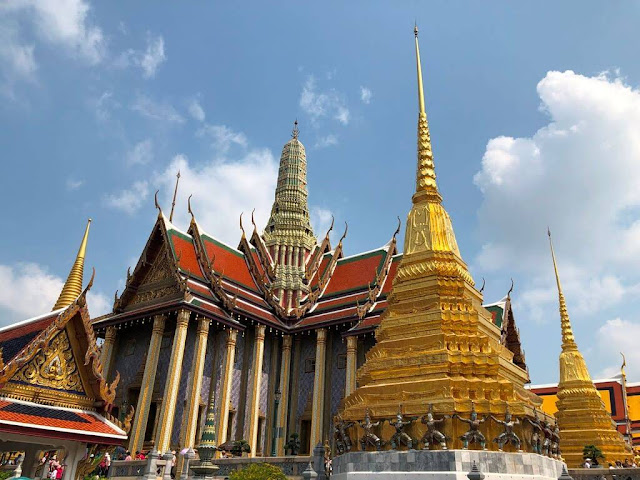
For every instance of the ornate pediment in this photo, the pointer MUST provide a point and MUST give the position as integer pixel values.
(53, 367)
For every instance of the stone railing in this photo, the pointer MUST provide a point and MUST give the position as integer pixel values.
(605, 474)
(291, 466)
(134, 469)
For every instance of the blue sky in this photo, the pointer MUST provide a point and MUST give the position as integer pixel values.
(534, 114)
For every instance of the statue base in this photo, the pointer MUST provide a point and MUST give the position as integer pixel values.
(444, 465)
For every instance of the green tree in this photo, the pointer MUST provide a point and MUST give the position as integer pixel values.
(592, 452)
(258, 471)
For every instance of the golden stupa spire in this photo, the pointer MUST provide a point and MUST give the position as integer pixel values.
(73, 286)
(426, 174)
(582, 416)
(568, 340)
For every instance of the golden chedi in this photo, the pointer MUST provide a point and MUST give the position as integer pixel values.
(582, 417)
(436, 344)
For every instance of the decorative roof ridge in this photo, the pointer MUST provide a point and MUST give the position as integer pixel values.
(268, 263)
(382, 248)
(206, 267)
(161, 224)
(169, 225)
(42, 340)
(28, 321)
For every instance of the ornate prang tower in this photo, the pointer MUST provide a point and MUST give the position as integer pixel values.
(582, 417)
(436, 344)
(288, 235)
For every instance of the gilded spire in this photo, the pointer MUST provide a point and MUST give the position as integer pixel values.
(175, 194)
(426, 176)
(295, 132)
(568, 340)
(73, 286)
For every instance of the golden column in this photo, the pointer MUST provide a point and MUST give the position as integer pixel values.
(146, 389)
(193, 400)
(283, 407)
(582, 416)
(225, 394)
(107, 351)
(258, 356)
(168, 410)
(317, 412)
(352, 350)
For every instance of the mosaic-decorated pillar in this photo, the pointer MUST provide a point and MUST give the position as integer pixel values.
(225, 392)
(352, 351)
(258, 357)
(195, 384)
(168, 410)
(146, 388)
(285, 370)
(107, 351)
(317, 412)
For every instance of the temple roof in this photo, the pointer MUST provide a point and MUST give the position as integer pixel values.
(51, 380)
(231, 284)
(28, 418)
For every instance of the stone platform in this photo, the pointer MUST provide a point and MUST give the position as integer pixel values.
(444, 465)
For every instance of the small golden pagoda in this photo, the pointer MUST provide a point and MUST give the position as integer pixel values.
(582, 417)
(436, 343)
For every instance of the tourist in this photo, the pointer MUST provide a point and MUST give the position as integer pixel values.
(127, 457)
(587, 463)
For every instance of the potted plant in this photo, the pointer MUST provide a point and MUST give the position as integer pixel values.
(293, 445)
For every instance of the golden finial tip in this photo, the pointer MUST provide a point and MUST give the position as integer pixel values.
(295, 129)
(415, 29)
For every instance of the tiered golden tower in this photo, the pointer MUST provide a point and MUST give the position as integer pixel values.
(436, 344)
(582, 417)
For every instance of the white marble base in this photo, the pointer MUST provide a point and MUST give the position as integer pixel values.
(444, 465)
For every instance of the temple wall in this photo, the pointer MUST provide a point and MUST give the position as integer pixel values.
(130, 352)
(338, 372)
(236, 386)
(185, 376)
(305, 379)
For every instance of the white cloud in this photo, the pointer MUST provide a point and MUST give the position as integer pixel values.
(129, 200)
(141, 153)
(579, 175)
(327, 141)
(239, 185)
(162, 112)
(28, 290)
(222, 138)
(153, 57)
(196, 110)
(320, 220)
(148, 60)
(64, 23)
(103, 105)
(365, 95)
(615, 336)
(17, 58)
(318, 104)
(74, 184)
